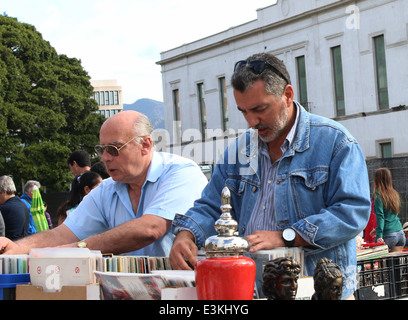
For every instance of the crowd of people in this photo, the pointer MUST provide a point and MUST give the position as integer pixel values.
(16, 220)
(296, 179)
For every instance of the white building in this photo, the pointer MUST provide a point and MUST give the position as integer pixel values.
(347, 60)
(108, 95)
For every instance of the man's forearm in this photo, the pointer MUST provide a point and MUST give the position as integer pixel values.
(130, 236)
(52, 238)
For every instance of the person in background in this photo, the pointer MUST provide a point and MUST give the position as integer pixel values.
(131, 212)
(81, 186)
(387, 206)
(13, 210)
(27, 197)
(99, 167)
(47, 215)
(369, 231)
(79, 161)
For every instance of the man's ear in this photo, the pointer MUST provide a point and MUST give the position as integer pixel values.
(289, 94)
(147, 145)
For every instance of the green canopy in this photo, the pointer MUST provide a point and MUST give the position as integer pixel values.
(38, 211)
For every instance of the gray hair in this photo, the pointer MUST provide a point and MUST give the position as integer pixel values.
(7, 184)
(244, 78)
(143, 126)
(29, 186)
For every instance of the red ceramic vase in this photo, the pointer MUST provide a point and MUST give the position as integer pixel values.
(225, 278)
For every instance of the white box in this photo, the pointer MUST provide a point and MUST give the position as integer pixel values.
(53, 273)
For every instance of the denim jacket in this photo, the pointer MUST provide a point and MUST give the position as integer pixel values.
(322, 191)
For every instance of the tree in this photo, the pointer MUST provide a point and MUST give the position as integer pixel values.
(46, 109)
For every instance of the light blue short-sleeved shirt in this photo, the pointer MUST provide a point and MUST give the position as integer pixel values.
(172, 185)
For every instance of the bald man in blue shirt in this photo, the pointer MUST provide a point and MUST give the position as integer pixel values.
(132, 211)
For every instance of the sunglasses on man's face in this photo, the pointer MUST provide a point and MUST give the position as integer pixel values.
(112, 149)
(258, 66)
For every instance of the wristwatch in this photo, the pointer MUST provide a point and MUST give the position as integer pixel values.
(289, 236)
(81, 244)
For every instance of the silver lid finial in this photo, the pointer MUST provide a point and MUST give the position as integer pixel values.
(227, 242)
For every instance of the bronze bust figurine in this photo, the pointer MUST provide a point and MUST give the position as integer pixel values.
(280, 278)
(328, 281)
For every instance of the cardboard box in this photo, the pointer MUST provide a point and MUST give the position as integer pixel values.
(30, 292)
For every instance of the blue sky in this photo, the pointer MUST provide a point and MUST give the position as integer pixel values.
(122, 39)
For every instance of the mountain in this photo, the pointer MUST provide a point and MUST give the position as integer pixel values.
(153, 109)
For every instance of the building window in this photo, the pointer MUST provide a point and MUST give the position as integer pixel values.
(224, 104)
(102, 98)
(111, 98)
(107, 98)
(381, 72)
(97, 98)
(176, 113)
(301, 73)
(338, 81)
(176, 105)
(386, 150)
(202, 109)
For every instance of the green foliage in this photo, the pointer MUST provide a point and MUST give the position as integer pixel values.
(46, 110)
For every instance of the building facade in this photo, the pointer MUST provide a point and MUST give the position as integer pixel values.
(108, 95)
(347, 61)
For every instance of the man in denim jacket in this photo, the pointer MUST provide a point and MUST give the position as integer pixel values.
(291, 171)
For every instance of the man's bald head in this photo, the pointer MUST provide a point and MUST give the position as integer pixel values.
(132, 122)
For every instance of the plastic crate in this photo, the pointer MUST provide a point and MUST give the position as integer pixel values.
(401, 275)
(8, 283)
(375, 279)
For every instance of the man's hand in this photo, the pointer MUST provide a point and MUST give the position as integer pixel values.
(184, 251)
(9, 247)
(265, 240)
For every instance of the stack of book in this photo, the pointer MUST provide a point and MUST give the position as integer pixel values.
(135, 264)
(372, 251)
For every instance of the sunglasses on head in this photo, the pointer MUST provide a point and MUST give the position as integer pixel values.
(258, 66)
(112, 149)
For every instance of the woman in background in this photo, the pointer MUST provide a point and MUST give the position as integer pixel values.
(387, 207)
(80, 187)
